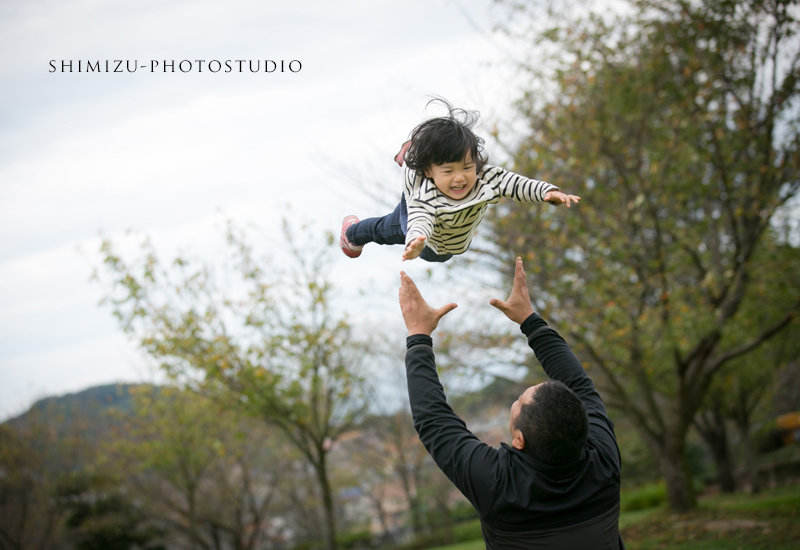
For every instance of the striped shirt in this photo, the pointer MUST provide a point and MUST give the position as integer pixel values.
(449, 224)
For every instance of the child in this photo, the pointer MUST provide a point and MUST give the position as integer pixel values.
(447, 188)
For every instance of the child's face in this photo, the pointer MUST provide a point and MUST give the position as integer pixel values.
(454, 179)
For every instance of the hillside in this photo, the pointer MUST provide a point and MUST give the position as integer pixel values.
(86, 411)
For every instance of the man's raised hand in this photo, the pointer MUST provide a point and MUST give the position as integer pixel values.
(420, 318)
(518, 307)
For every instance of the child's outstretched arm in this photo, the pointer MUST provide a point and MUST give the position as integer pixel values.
(558, 197)
(414, 248)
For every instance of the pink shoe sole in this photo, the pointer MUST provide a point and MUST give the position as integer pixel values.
(350, 250)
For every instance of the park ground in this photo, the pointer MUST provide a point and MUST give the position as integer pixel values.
(766, 521)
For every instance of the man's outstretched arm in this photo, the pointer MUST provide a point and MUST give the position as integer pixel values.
(455, 449)
(556, 357)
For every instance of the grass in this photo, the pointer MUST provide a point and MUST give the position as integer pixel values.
(767, 521)
(472, 545)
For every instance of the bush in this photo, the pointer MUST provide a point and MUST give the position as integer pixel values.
(644, 497)
(358, 539)
(463, 511)
(467, 531)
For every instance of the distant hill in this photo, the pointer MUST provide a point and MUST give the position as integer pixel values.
(86, 411)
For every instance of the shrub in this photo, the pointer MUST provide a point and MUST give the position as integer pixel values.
(644, 497)
(467, 531)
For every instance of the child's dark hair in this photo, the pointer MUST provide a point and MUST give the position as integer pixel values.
(446, 139)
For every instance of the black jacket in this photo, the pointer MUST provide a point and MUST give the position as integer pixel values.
(524, 503)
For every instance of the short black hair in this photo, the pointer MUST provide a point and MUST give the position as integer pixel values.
(446, 139)
(554, 424)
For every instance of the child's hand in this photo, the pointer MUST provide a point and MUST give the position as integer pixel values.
(414, 248)
(557, 197)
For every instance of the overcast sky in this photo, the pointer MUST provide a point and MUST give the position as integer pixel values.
(173, 155)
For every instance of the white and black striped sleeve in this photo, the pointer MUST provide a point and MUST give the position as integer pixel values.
(420, 196)
(513, 186)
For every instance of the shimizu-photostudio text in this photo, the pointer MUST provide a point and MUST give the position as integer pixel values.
(175, 66)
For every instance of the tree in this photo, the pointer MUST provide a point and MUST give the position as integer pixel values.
(391, 446)
(679, 125)
(46, 475)
(207, 476)
(740, 393)
(100, 516)
(29, 516)
(711, 424)
(276, 349)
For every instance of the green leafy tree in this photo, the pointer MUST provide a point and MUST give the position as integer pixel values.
(678, 125)
(740, 395)
(208, 476)
(100, 516)
(29, 516)
(46, 459)
(268, 344)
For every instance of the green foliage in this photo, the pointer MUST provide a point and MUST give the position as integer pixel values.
(354, 540)
(201, 471)
(27, 512)
(752, 522)
(463, 532)
(643, 498)
(783, 500)
(473, 545)
(275, 349)
(100, 517)
(268, 345)
(467, 530)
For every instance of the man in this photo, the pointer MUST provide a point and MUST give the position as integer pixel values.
(557, 485)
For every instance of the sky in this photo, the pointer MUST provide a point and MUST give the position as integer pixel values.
(174, 155)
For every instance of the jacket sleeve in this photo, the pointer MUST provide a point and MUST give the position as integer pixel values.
(421, 213)
(468, 462)
(513, 186)
(560, 363)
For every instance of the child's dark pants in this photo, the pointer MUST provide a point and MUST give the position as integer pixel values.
(390, 229)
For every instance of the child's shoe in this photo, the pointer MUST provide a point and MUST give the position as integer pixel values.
(350, 250)
(400, 157)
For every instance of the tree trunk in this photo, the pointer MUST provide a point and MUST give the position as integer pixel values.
(751, 467)
(711, 427)
(194, 537)
(416, 514)
(327, 501)
(377, 503)
(443, 507)
(672, 461)
(412, 497)
(722, 460)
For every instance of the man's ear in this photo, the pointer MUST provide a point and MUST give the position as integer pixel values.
(518, 440)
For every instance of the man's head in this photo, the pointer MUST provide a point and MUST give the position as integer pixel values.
(446, 150)
(549, 423)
